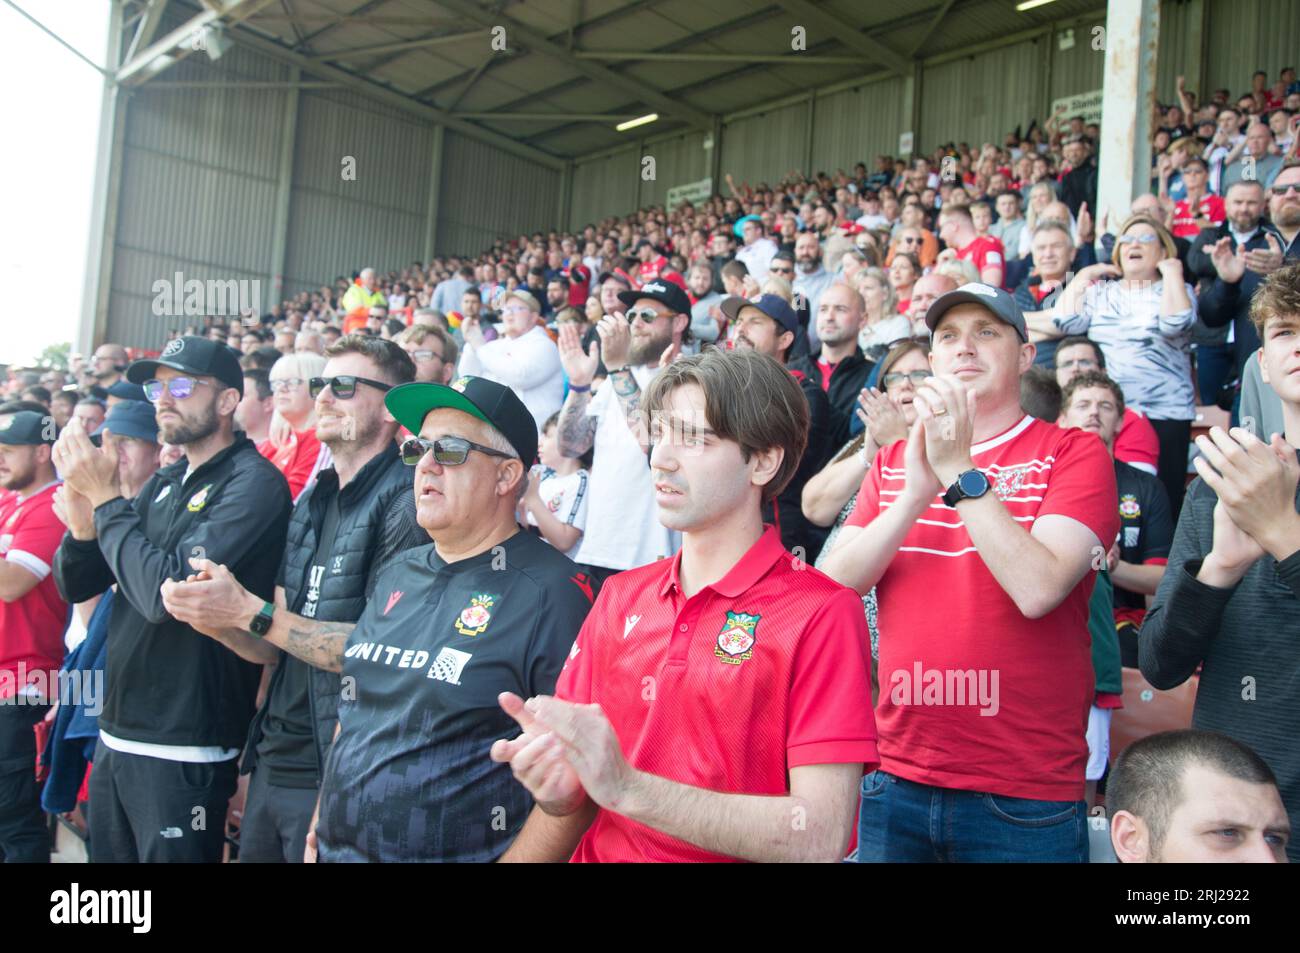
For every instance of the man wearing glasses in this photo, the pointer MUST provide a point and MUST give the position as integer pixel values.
(177, 707)
(485, 609)
(432, 349)
(348, 525)
(107, 364)
(523, 357)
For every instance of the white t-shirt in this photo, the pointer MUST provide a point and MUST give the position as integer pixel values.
(566, 497)
(623, 529)
(529, 365)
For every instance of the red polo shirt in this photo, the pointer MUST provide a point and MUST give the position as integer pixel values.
(31, 628)
(763, 671)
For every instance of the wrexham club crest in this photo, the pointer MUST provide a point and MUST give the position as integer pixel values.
(474, 618)
(736, 640)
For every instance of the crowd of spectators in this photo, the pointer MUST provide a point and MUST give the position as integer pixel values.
(983, 427)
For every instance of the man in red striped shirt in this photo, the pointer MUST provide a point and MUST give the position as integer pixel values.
(980, 533)
(715, 705)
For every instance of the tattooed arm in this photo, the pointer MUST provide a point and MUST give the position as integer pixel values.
(213, 602)
(629, 398)
(575, 431)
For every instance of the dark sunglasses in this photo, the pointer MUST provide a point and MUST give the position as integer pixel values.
(344, 386)
(646, 315)
(447, 451)
(178, 387)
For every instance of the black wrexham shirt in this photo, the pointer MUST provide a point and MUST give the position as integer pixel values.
(409, 778)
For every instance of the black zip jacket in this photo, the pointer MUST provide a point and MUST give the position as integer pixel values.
(376, 521)
(165, 683)
(847, 380)
(786, 512)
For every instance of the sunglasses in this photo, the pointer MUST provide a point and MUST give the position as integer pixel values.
(897, 377)
(1138, 240)
(178, 387)
(447, 451)
(647, 315)
(344, 386)
(1278, 191)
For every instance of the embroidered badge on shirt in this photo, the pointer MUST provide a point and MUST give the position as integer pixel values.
(199, 499)
(1008, 483)
(1129, 507)
(736, 640)
(474, 618)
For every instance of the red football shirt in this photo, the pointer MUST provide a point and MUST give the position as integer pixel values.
(31, 628)
(1210, 206)
(953, 645)
(648, 271)
(764, 671)
(985, 252)
(1137, 442)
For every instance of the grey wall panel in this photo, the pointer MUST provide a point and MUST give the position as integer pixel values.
(488, 194)
(856, 125)
(338, 225)
(1078, 69)
(1246, 35)
(1174, 53)
(978, 99)
(764, 147)
(605, 186)
(678, 160)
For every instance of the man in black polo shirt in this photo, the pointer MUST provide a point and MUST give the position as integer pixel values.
(1093, 402)
(482, 610)
(357, 515)
(177, 705)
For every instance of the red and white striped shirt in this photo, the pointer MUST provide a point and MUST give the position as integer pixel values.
(947, 627)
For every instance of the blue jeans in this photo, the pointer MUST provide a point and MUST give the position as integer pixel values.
(905, 822)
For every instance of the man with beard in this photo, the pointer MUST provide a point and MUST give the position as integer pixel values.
(838, 365)
(769, 326)
(344, 529)
(107, 364)
(177, 707)
(810, 279)
(32, 617)
(1239, 255)
(706, 327)
(484, 609)
(622, 528)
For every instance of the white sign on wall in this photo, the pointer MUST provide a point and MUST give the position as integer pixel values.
(1087, 105)
(693, 192)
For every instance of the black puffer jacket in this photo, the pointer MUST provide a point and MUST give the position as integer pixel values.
(376, 521)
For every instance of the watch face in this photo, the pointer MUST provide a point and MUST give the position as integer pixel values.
(973, 483)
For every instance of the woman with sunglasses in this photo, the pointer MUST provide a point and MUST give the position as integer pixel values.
(829, 497)
(292, 445)
(904, 271)
(1140, 311)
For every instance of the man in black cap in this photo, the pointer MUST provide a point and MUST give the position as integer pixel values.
(484, 609)
(344, 529)
(623, 528)
(32, 618)
(1004, 515)
(125, 390)
(769, 325)
(177, 705)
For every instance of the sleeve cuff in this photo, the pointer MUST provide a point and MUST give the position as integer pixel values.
(33, 564)
(835, 752)
(1289, 570)
(1189, 587)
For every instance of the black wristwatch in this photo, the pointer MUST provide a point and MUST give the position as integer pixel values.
(261, 623)
(968, 485)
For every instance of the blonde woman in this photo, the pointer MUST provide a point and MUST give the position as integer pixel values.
(1040, 197)
(292, 445)
(1140, 311)
(882, 325)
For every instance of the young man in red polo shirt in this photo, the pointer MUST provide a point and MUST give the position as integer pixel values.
(985, 252)
(979, 533)
(714, 705)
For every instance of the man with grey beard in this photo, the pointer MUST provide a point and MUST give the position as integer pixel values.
(623, 528)
(810, 280)
(178, 705)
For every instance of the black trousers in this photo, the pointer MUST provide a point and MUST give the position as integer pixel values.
(1175, 436)
(274, 829)
(150, 810)
(24, 836)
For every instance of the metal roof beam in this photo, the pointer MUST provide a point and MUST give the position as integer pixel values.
(785, 59)
(163, 53)
(932, 26)
(822, 21)
(530, 38)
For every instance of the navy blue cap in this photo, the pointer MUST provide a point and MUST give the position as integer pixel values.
(774, 306)
(128, 391)
(130, 418)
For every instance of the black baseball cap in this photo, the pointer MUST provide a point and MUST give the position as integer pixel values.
(665, 292)
(996, 301)
(192, 355)
(479, 397)
(774, 306)
(27, 428)
(128, 391)
(130, 418)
